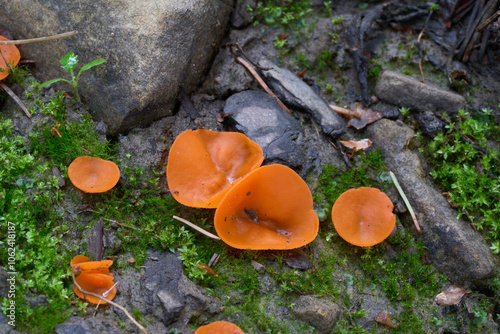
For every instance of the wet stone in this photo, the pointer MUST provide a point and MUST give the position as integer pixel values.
(260, 117)
(296, 94)
(429, 124)
(320, 313)
(404, 91)
(453, 246)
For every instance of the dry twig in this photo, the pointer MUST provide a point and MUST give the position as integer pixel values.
(197, 228)
(39, 39)
(407, 203)
(17, 99)
(123, 309)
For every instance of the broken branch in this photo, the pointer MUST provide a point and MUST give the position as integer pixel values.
(123, 309)
(407, 203)
(17, 99)
(197, 228)
(39, 39)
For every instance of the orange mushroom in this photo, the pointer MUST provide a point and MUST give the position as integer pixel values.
(93, 175)
(9, 56)
(219, 327)
(202, 165)
(271, 208)
(93, 276)
(363, 216)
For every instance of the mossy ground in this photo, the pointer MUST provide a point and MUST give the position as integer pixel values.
(394, 272)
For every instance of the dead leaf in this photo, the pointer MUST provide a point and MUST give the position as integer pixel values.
(367, 116)
(222, 116)
(384, 319)
(357, 145)
(451, 296)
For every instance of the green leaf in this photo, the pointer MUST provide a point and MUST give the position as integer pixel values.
(92, 64)
(69, 61)
(46, 83)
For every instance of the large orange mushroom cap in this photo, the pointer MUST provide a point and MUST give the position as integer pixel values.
(93, 175)
(219, 327)
(363, 216)
(10, 55)
(271, 208)
(202, 165)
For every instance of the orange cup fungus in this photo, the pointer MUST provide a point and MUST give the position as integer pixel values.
(363, 216)
(219, 327)
(202, 165)
(271, 208)
(93, 175)
(93, 276)
(9, 56)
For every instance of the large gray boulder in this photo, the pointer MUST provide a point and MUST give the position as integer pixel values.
(152, 49)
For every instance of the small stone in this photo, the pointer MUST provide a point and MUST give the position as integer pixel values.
(320, 313)
(384, 319)
(259, 267)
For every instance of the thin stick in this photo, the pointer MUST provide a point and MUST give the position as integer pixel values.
(410, 209)
(197, 228)
(17, 99)
(39, 39)
(124, 310)
(261, 82)
(346, 112)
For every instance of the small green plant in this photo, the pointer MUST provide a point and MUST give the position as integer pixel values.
(328, 7)
(337, 20)
(288, 14)
(405, 111)
(279, 43)
(69, 63)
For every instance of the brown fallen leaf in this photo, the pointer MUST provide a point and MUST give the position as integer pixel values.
(367, 116)
(222, 116)
(384, 319)
(357, 145)
(451, 296)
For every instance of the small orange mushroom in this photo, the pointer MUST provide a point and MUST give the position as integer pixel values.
(202, 165)
(363, 216)
(9, 56)
(219, 327)
(271, 208)
(93, 276)
(93, 175)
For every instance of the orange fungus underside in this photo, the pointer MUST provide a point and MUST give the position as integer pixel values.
(271, 208)
(219, 327)
(10, 53)
(93, 276)
(93, 175)
(363, 216)
(202, 165)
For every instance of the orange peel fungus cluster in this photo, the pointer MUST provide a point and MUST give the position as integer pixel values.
(267, 207)
(93, 276)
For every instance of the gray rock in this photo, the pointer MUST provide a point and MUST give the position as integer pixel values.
(92, 325)
(453, 246)
(241, 16)
(70, 329)
(160, 286)
(429, 123)
(259, 116)
(320, 313)
(151, 48)
(295, 93)
(404, 91)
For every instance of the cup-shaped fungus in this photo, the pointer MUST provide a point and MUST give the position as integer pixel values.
(271, 208)
(219, 327)
(10, 56)
(202, 165)
(363, 216)
(93, 276)
(93, 175)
